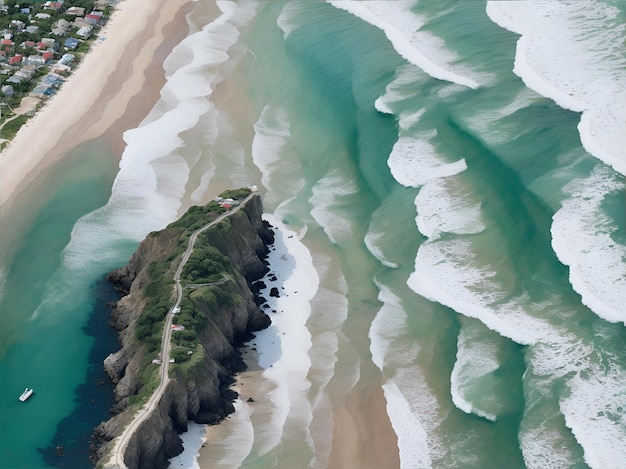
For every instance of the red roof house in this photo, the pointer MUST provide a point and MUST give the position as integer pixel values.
(91, 16)
(53, 5)
(47, 56)
(15, 60)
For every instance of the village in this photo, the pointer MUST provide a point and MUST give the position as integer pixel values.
(41, 43)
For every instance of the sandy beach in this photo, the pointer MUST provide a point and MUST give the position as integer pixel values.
(112, 90)
(277, 377)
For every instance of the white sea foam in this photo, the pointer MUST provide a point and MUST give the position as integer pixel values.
(482, 122)
(541, 442)
(371, 241)
(153, 176)
(286, 21)
(592, 405)
(572, 52)
(330, 312)
(389, 324)
(273, 155)
(401, 87)
(412, 438)
(401, 26)
(446, 206)
(447, 271)
(231, 442)
(284, 346)
(328, 199)
(193, 439)
(394, 352)
(414, 161)
(3, 278)
(595, 412)
(476, 358)
(582, 239)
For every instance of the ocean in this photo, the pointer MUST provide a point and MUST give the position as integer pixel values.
(451, 176)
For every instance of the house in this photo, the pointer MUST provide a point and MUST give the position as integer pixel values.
(7, 90)
(81, 21)
(101, 5)
(84, 32)
(14, 79)
(61, 27)
(177, 327)
(94, 17)
(27, 44)
(228, 203)
(53, 5)
(19, 25)
(67, 59)
(59, 68)
(42, 45)
(52, 44)
(42, 16)
(42, 91)
(34, 59)
(52, 79)
(32, 29)
(71, 43)
(75, 11)
(6, 42)
(87, 20)
(15, 60)
(47, 56)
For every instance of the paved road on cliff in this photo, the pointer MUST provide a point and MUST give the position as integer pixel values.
(117, 458)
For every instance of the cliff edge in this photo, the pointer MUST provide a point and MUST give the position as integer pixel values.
(218, 313)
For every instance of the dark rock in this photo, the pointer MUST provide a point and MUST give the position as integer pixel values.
(274, 292)
(204, 395)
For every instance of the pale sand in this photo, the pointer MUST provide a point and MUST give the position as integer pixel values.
(363, 436)
(96, 95)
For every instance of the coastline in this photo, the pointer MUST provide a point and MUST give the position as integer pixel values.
(117, 68)
(278, 379)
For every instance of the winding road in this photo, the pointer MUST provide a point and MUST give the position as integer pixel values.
(116, 460)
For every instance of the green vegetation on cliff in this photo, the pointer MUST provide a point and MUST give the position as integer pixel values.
(207, 280)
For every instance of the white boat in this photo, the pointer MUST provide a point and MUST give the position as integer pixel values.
(26, 394)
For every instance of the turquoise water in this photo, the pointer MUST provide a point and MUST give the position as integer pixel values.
(45, 306)
(470, 248)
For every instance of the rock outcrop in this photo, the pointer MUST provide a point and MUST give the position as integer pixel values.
(201, 393)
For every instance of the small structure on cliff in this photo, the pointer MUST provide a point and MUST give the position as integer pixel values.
(218, 315)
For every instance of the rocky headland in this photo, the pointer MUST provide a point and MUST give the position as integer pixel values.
(219, 311)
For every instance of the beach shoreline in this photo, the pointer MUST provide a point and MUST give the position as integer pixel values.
(278, 377)
(101, 95)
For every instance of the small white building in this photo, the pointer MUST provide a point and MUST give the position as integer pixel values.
(84, 32)
(67, 59)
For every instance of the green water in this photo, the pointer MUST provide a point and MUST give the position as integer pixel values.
(499, 329)
(45, 306)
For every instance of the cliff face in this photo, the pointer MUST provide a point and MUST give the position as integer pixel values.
(201, 392)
